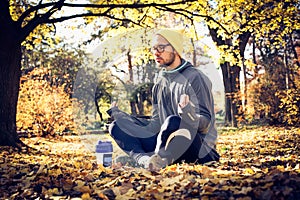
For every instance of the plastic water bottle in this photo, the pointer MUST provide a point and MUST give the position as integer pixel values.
(104, 150)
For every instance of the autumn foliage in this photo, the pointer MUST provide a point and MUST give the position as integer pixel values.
(290, 106)
(274, 97)
(256, 163)
(44, 107)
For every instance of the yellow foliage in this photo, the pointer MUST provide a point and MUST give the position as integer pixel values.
(40, 33)
(289, 103)
(250, 65)
(44, 109)
(270, 98)
(15, 10)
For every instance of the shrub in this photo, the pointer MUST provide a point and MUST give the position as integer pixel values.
(268, 98)
(44, 109)
(289, 106)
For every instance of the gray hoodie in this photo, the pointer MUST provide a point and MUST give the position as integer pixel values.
(199, 113)
(166, 92)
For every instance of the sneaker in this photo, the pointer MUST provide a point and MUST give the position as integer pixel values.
(156, 163)
(143, 161)
(126, 161)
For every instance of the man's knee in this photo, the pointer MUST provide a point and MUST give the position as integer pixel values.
(172, 123)
(173, 120)
(183, 133)
(112, 127)
(178, 145)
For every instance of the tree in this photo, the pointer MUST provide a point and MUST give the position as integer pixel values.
(62, 59)
(275, 81)
(19, 19)
(231, 27)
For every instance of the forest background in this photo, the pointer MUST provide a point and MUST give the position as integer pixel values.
(51, 88)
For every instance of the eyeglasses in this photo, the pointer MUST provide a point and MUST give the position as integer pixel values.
(159, 48)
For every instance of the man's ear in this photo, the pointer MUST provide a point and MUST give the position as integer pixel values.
(174, 50)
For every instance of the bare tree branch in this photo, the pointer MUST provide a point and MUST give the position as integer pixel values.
(133, 5)
(189, 15)
(55, 6)
(111, 6)
(32, 9)
(61, 19)
(39, 19)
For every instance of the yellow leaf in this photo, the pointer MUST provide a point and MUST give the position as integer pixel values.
(249, 171)
(281, 168)
(85, 196)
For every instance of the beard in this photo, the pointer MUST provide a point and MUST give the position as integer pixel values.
(168, 61)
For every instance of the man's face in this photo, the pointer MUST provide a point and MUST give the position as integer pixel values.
(163, 51)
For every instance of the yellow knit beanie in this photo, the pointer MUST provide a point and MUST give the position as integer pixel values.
(174, 37)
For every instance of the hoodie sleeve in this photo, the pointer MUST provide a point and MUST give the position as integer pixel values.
(152, 124)
(198, 112)
(197, 121)
(116, 113)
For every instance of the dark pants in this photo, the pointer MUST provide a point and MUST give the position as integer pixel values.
(133, 138)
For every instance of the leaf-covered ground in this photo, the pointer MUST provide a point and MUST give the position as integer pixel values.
(256, 163)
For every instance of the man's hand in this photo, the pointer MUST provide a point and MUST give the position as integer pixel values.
(113, 104)
(184, 100)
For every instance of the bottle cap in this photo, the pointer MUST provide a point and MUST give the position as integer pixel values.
(104, 147)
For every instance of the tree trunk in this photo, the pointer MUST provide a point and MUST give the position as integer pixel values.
(132, 99)
(245, 87)
(235, 90)
(231, 78)
(10, 66)
(98, 108)
(231, 86)
(140, 102)
(194, 53)
(228, 98)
